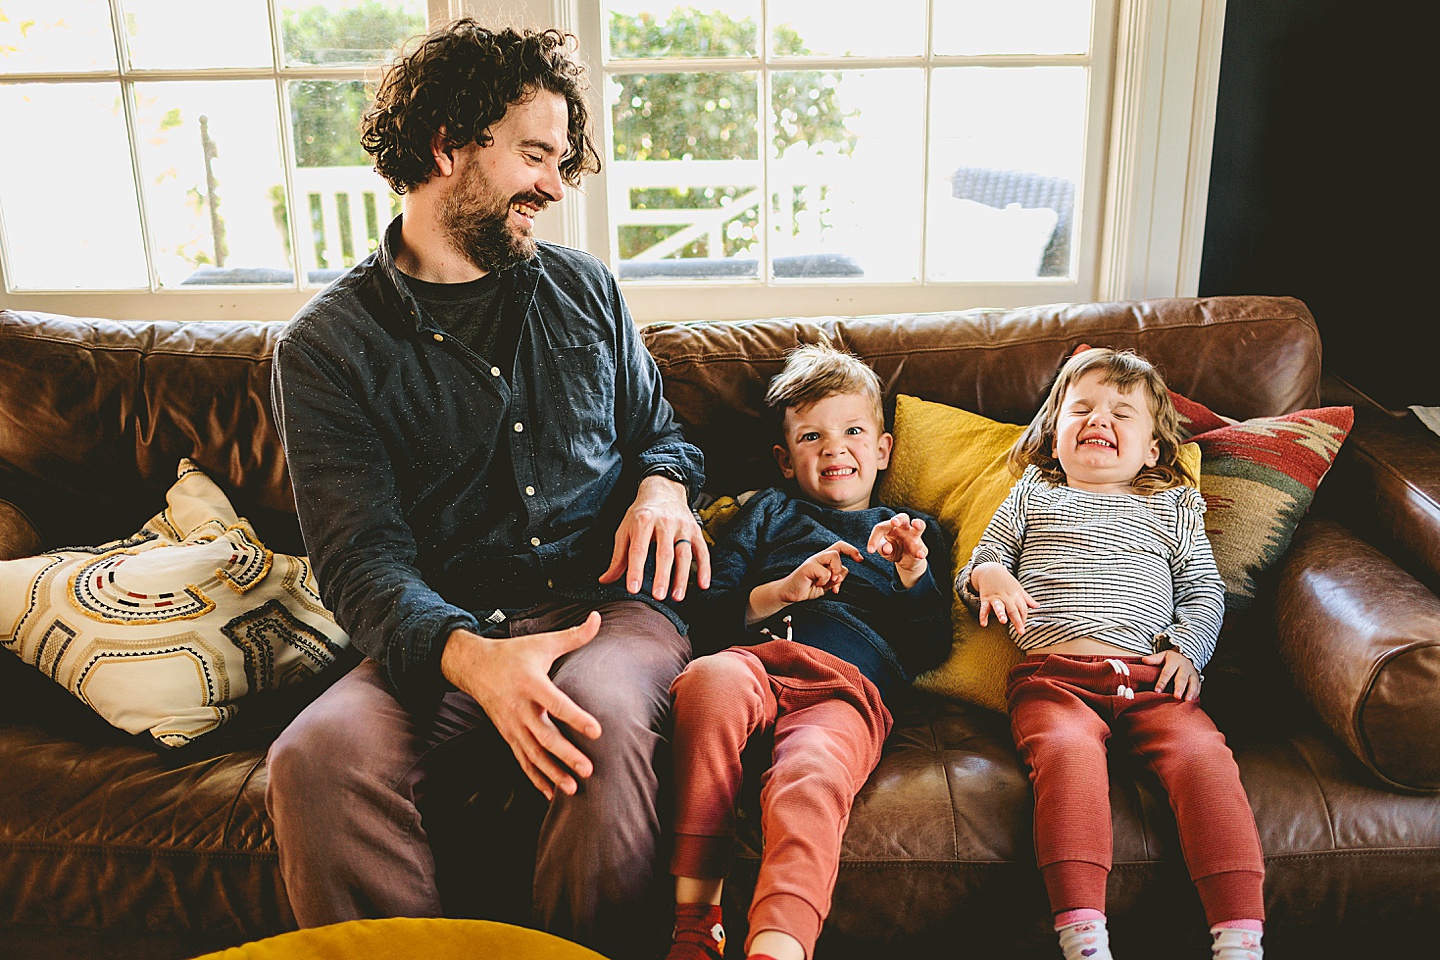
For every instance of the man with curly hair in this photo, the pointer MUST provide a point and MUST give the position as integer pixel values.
(496, 499)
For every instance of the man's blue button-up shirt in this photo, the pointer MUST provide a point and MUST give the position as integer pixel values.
(390, 427)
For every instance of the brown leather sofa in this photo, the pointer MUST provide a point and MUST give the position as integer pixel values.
(1328, 687)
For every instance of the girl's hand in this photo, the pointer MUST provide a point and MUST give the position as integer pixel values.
(900, 540)
(1174, 665)
(1001, 592)
(820, 574)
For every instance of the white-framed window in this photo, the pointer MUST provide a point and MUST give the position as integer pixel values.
(764, 157)
(792, 150)
(173, 157)
(790, 157)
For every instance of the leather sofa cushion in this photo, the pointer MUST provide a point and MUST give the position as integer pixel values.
(997, 363)
(111, 406)
(18, 536)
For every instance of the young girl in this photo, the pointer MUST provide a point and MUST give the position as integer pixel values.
(1098, 563)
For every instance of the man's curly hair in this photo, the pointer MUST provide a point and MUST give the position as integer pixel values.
(464, 77)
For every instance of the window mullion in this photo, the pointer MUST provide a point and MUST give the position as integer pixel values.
(292, 199)
(277, 42)
(127, 104)
(287, 147)
(767, 135)
(925, 137)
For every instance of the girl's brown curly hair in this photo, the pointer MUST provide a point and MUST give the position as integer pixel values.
(1125, 370)
(464, 77)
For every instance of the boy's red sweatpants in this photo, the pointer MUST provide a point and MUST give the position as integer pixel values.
(829, 725)
(1063, 710)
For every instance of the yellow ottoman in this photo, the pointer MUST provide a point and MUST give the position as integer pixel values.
(405, 938)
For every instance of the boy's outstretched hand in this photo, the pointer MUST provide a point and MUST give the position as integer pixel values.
(820, 574)
(816, 576)
(900, 540)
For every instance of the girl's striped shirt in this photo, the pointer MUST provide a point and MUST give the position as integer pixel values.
(1132, 570)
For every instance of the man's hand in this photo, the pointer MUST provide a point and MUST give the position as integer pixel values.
(660, 515)
(1175, 665)
(510, 679)
(899, 539)
(1001, 592)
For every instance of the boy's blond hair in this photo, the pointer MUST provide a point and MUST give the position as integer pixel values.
(814, 371)
(1125, 370)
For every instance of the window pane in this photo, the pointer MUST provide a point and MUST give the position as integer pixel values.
(214, 187)
(348, 31)
(685, 116)
(688, 28)
(71, 220)
(846, 28)
(973, 27)
(53, 36)
(845, 184)
(1005, 158)
(161, 34)
(344, 205)
(685, 176)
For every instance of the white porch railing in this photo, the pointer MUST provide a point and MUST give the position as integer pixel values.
(709, 223)
(368, 200)
(367, 206)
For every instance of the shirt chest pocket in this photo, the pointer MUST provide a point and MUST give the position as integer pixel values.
(582, 385)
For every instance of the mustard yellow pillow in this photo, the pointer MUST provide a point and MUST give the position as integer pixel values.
(434, 938)
(950, 463)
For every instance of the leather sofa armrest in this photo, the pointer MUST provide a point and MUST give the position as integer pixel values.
(1385, 484)
(1361, 640)
(18, 536)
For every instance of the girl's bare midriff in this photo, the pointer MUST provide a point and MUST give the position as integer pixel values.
(1083, 646)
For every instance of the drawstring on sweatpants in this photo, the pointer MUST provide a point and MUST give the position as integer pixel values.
(789, 630)
(1122, 668)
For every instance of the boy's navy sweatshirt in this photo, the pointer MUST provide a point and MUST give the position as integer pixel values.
(888, 632)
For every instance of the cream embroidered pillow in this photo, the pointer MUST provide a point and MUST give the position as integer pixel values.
(164, 632)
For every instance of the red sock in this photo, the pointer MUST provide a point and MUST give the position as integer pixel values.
(699, 934)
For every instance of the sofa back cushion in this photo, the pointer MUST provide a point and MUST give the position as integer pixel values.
(97, 413)
(1248, 356)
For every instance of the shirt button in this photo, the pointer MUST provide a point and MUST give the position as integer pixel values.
(529, 491)
(550, 584)
(534, 541)
(519, 427)
(439, 338)
(494, 371)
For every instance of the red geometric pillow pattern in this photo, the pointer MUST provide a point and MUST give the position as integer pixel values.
(1196, 417)
(1258, 477)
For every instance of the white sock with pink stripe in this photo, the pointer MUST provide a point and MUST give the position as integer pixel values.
(1085, 938)
(1236, 942)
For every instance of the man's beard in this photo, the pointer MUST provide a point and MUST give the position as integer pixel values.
(477, 223)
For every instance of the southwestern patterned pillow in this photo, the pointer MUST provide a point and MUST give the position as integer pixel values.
(165, 631)
(1258, 478)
